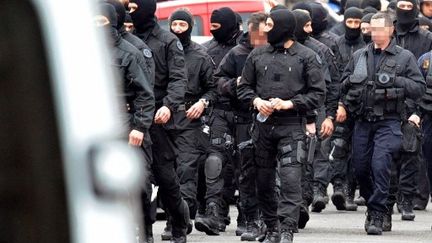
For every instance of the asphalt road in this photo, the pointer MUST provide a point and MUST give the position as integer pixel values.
(332, 226)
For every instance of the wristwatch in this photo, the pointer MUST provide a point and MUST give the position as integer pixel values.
(205, 102)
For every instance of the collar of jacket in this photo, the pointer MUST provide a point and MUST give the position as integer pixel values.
(292, 50)
(145, 35)
(354, 42)
(413, 29)
(391, 48)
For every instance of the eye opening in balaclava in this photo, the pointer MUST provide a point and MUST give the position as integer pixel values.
(405, 19)
(284, 24)
(185, 15)
(352, 13)
(228, 20)
(302, 18)
(144, 17)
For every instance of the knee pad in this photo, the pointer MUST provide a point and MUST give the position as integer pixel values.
(338, 149)
(213, 167)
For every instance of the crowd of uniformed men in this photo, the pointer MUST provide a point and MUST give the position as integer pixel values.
(277, 111)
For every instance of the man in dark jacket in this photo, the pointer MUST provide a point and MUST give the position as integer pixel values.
(411, 37)
(271, 82)
(169, 88)
(219, 169)
(339, 28)
(191, 142)
(227, 75)
(375, 90)
(226, 33)
(316, 172)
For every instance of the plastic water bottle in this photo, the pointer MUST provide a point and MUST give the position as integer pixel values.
(261, 118)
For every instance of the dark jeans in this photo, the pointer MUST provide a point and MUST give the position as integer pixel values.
(374, 146)
(283, 143)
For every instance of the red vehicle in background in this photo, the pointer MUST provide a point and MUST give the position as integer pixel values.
(202, 10)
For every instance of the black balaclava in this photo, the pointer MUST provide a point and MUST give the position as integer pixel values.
(108, 10)
(319, 18)
(376, 4)
(367, 19)
(121, 12)
(304, 6)
(425, 21)
(228, 21)
(369, 10)
(406, 19)
(185, 37)
(284, 24)
(128, 19)
(354, 13)
(144, 17)
(301, 19)
(277, 7)
(239, 18)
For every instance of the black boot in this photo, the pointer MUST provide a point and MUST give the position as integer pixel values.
(387, 221)
(350, 194)
(304, 217)
(407, 209)
(338, 197)
(376, 223)
(272, 236)
(287, 236)
(212, 221)
(255, 230)
(167, 234)
(319, 202)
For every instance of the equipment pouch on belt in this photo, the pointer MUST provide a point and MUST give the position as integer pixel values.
(411, 139)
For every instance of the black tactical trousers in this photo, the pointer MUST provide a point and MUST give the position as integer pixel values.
(283, 142)
(192, 145)
(163, 167)
(221, 147)
(247, 186)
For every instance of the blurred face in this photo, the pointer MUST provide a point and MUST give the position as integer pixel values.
(215, 26)
(381, 34)
(353, 23)
(269, 25)
(308, 27)
(405, 5)
(427, 9)
(179, 26)
(100, 20)
(258, 37)
(365, 28)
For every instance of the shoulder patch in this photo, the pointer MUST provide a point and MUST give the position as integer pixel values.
(179, 46)
(147, 53)
(318, 58)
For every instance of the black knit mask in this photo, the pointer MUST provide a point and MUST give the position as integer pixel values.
(184, 37)
(228, 21)
(144, 16)
(352, 13)
(406, 18)
(284, 24)
(302, 18)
